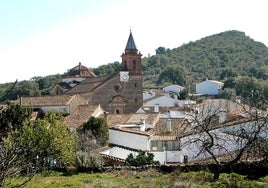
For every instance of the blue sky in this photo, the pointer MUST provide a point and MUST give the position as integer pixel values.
(43, 37)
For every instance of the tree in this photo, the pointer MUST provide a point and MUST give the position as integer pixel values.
(12, 118)
(90, 136)
(229, 83)
(184, 94)
(98, 128)
(223, 142)
(253, 91)
(12, 162)
(27, 146)
(227, 93)
(160, 50)
(174, 74)
(50, 140)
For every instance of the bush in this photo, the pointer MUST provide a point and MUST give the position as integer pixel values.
(88, 160)
(143, 158)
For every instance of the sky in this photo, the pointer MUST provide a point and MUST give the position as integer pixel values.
(47, 37)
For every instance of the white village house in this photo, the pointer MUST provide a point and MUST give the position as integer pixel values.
(209, 87)
(173, 88)
(171, 136)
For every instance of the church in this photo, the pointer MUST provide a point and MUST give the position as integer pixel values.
(119, 93)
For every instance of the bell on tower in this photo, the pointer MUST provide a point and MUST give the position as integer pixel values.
(131, 58)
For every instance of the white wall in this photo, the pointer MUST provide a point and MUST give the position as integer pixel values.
(173, 88)
(130, 140)
(192, 145)
(208, 87)
(165, 157)
(163, 101)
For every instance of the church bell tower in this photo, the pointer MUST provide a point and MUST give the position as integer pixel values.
(131, 77)
(131, 58)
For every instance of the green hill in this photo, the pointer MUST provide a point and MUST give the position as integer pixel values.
(227, 54)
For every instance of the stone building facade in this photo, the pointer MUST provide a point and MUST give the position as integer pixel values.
(118, 93)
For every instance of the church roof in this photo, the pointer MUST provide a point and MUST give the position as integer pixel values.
(130, 43)
(88, 85)
(80, 71)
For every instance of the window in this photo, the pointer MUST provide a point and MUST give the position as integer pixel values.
(156, 145)
(125, 65)
(117, 111)
(136, 100)
(169, 145)
(135, 84)
(134, 65)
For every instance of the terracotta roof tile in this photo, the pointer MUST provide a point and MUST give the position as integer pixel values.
(124, 129)
(87, 85)
(115, 119)
(46, 100)
(81, 115)
(164, 138)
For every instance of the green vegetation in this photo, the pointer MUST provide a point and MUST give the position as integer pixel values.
(99, 129)
(143, 158)
(149, 178)
(30, 146)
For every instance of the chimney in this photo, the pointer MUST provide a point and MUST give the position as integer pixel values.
(142, 124)
(156, 108)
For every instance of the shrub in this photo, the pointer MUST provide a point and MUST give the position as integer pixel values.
(88, 160)
(143, 158)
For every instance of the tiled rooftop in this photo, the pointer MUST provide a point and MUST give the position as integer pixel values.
(88, 84)
(80, 115)
(47, 100)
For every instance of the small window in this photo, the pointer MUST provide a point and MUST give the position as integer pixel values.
(169, 145)
(134, 65)
(125, 65)
(136, 100)
(135, 84)
(117, 111)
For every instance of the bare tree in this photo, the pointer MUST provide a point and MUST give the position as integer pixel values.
(224, 133)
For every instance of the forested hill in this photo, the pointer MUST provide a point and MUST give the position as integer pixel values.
(227, 54)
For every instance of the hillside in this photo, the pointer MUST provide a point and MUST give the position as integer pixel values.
(219, 56)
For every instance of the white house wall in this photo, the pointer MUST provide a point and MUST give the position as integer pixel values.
(129, 140)
(208, 87)
(163, 101)
(165, 157)
(173, 88)
(192, 146)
